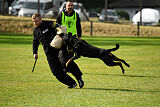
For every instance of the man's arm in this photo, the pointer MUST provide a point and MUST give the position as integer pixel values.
(35, 46)
(59, 19)
(78, 26)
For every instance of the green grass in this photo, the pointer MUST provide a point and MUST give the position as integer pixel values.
(104, 86)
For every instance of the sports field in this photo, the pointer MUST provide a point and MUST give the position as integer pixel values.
(104, 86)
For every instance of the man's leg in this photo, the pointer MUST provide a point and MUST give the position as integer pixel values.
(74, 69)
(57, 71)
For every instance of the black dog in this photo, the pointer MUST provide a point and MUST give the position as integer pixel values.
(82, 48)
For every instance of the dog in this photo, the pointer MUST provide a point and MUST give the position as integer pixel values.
(82, 48)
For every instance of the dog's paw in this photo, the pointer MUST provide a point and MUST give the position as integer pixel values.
(123, 71)
(117, 45)
(127, 65)
(68, 62)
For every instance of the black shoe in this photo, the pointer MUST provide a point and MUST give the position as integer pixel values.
(73, 86)
(80, 82)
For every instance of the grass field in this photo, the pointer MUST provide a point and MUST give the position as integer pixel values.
(104, 86)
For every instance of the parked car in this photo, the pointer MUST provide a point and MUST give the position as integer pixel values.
(78, 7)
(149, 17)
(31, 7)
(15, 7)
(56, 5)
(110, 16)
(93, 13)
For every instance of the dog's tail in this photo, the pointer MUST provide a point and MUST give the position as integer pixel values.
(114, 49)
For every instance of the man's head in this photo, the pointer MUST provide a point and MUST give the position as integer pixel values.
(69, 6)
(36, 19)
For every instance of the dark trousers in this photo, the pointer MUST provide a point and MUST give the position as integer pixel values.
(72, 67)
(57, 70)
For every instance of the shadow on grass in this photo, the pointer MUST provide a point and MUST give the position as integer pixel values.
(125, 90)
(125, 75)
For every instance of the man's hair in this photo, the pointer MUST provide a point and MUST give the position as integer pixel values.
(70, 0)
(35, 15)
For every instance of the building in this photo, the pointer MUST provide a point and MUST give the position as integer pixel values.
(133, 6)
(129, 6)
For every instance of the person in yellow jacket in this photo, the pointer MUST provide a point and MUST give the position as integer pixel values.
(71, 20)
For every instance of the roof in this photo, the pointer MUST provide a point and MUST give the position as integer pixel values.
(134, 3)
(41, 1)
(120, 3)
